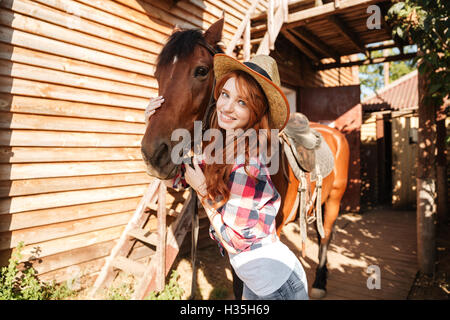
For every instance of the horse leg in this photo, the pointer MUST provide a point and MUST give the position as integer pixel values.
(238, 286)
(331, 212)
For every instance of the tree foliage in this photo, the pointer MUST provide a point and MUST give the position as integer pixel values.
(371, 76)
(426, 24)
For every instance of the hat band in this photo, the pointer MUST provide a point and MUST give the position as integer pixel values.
(258, 69)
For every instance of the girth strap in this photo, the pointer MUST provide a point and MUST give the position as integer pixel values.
(304, 207)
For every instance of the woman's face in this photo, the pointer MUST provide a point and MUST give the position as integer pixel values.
(232, 110)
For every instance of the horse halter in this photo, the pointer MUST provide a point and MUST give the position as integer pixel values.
(211, 103)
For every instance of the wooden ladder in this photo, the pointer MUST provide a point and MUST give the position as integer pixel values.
(277, 14)
(167, 241)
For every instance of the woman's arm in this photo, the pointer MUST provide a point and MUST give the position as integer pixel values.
(216, 221)
(196, 179)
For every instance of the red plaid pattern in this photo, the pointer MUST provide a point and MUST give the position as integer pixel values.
(249, 215)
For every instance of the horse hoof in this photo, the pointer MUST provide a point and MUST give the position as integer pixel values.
(317, 293)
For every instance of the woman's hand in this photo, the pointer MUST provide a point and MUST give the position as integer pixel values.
(195, 178)
(152, 106)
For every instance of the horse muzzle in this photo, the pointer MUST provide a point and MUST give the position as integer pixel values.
(159, 164)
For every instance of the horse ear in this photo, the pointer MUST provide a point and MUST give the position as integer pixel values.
(214, 32)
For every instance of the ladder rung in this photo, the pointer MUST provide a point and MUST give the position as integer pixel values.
(144, 236)
(252, 42)
(129, 266)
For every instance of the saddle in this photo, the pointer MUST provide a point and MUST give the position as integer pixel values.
(307, 153)
(312, 154)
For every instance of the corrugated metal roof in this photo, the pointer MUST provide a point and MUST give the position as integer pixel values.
(401, 94)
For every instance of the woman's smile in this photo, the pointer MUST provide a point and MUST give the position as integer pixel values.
(225, 117)
(232, 110)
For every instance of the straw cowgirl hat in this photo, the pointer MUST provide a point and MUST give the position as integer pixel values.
(264, 70)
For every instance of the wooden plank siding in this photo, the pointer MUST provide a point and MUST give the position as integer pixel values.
(75, 77)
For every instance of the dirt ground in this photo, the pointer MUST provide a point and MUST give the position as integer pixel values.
(214, 277)
(400, 278)
(385, 237)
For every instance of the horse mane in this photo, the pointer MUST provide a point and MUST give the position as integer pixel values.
(181, 44)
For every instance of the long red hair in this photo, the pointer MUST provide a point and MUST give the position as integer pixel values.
(217, 175)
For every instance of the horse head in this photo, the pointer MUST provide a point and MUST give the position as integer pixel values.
(185, 76)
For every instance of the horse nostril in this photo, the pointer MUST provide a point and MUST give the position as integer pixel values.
(145, 157)
(161, 154)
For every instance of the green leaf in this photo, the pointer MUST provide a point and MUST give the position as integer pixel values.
(434, 87)
(395, 9)
(399, 32)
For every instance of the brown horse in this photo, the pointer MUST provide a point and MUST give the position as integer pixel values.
(185, 77)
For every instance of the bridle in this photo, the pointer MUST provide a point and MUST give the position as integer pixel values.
(211, 103)
(195, 217)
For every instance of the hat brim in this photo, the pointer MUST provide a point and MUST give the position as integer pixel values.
(278, 103)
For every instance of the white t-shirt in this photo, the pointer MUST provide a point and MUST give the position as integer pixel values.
(265, 269)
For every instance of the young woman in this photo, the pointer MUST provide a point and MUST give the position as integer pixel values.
(239, 198)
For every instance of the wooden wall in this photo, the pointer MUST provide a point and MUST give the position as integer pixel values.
(296, 71)
(404, 156)
(75, 77)
(369, 165)
(404, 161)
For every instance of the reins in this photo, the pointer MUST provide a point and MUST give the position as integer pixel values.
(195, 224)
(211, 103)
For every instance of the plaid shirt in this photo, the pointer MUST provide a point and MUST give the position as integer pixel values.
(248, 217)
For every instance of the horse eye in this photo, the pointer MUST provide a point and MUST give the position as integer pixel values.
(201, 71)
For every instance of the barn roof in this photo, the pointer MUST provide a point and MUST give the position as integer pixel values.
(336, 29)
(400, 94)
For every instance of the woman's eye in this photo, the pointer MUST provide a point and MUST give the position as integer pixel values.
(242, 102)
(224, 94)
(201, 71)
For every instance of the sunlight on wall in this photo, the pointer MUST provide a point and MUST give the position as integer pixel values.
(404, 154)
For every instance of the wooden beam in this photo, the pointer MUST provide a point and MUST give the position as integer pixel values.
(314, 42)
(345, 31)
(303, 48)
(381, 47)
(326, 9)
(366, 61)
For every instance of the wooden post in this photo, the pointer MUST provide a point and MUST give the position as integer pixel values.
(441, 166)
(381, 157)
(285, 4)
(161, 246)
(270, 25)
(386, 67)
(277, 24)
(426, 180)
(247, 44)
